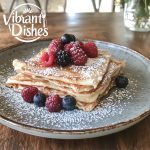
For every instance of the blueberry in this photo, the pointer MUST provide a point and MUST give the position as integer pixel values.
(121, 82)
(67, 38)
(39, 100)
(68, 102)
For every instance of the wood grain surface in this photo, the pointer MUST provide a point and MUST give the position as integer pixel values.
(107, 27)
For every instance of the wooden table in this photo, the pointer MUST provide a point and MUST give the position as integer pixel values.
(106, 27)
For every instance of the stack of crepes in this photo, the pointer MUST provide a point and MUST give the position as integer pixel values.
(86, 83)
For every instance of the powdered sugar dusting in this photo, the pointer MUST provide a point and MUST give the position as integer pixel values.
(91, 68)
(118, 106)
(47, 71)
(94, 68)
(13, 107)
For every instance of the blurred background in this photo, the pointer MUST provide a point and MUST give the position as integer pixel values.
(68, 6)
(136, 12)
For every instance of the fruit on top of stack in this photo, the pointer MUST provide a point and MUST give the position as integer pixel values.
(67, 50)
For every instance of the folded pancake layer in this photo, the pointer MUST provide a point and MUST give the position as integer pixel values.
(90, 74)
(85, 83)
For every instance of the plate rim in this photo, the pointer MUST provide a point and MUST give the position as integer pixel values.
(81, 131)
(75, 132)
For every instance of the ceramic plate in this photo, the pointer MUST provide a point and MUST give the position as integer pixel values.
(121, 109)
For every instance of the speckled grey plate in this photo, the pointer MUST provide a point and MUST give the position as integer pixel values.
(121, 109)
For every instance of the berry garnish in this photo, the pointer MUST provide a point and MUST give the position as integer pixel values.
(55, 46)
(78, 56)
(39, 99)
(81, 44)
(67, 38)
(68, 102)
(63, 59)
(53, 103)
(47, 60)
(121, 81)
(91, 49)
(76, 44)
(28, 93)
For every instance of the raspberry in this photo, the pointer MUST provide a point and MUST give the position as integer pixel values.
(53, 103)
(76, 44)
(67, 47)
(91, 49)
(55, 46)
(63, 59)
(47, 60)
(78, 56)
(28, 93)
(81, 44)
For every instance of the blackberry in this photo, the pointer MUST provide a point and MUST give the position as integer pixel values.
(63, 59)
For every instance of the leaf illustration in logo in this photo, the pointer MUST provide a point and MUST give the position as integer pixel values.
(27, 10)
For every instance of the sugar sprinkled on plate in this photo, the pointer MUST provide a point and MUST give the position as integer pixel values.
(114, 104)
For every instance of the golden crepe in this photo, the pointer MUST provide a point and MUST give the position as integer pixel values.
(85, 83)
